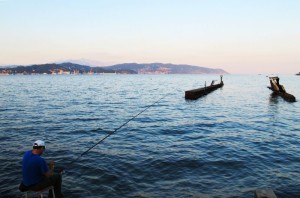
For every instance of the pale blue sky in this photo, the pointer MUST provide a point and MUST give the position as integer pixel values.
(239, 36)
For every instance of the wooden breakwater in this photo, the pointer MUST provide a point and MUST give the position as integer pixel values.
(279, 89)
(197, 93)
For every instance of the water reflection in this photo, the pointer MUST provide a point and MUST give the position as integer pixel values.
(273, 99)
(273, 108)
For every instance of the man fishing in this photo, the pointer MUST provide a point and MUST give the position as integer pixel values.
(36, 174)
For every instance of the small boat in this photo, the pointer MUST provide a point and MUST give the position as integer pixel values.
(197, 93)
(280, 90)
(298, 74)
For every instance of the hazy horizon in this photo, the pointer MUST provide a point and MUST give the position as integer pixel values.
(240, 37)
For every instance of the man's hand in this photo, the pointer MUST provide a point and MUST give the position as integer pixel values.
(51, 168)
(51, 165)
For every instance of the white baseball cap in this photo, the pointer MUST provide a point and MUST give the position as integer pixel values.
(39, 143)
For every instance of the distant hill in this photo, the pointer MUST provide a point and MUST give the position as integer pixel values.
(126, 68)
(160, 68)
(63, 68)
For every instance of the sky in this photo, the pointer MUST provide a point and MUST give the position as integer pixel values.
(239, 36)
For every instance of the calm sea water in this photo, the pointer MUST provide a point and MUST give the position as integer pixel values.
(227, 144)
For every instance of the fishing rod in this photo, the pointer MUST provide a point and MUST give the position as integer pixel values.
(112, 132)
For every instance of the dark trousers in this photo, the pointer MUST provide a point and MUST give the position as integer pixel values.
(54, 180)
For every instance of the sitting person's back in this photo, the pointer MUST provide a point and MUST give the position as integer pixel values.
(36, 174)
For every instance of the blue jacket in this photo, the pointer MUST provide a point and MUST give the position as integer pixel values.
(33, 168)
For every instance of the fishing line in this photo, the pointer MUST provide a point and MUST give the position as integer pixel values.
(112, 132)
